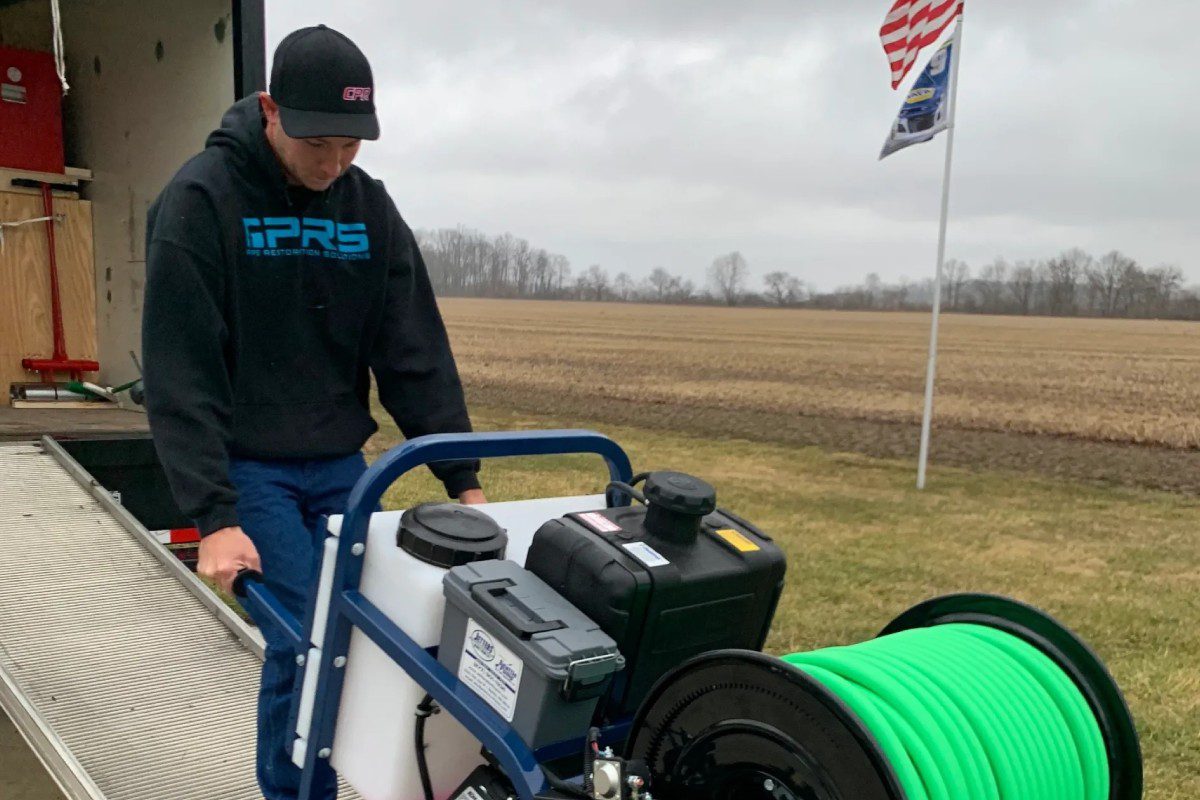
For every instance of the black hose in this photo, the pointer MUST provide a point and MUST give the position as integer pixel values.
(425, 709)
(590, 747)
(566, 787)
(625, 488)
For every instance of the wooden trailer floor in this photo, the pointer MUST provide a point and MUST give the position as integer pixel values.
(30, 424)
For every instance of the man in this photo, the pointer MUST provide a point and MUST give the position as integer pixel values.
(279, 277)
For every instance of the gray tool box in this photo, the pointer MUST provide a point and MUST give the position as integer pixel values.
(532, 656)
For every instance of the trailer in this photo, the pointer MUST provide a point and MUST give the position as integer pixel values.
(127, 677)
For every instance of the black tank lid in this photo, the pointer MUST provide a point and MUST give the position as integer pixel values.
(450, 534)
(676, 491)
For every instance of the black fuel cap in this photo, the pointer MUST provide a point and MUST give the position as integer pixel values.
(450, 534)
(676, 491)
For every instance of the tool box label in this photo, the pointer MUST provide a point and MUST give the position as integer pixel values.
(598, 522)
(646, 554)
(491, 670)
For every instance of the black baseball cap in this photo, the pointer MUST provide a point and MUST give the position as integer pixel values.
(323, 86)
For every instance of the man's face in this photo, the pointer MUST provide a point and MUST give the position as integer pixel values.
(312, 163)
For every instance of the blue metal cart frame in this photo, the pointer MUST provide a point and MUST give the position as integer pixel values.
(348, 609)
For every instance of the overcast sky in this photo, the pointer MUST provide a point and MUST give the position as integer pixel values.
(665, 132)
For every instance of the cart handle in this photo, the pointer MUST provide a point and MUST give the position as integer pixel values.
(367, 492)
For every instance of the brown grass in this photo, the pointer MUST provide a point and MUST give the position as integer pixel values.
(1106, 380)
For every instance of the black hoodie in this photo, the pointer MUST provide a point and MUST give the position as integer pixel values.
(266, 309)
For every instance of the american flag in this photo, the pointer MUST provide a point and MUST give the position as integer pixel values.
(912, 25)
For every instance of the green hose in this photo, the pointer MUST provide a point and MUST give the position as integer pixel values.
(967, 712)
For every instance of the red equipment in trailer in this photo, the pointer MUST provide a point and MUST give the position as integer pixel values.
(60, 361)
(30, 111)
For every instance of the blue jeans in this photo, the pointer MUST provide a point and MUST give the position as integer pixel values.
(280, 507)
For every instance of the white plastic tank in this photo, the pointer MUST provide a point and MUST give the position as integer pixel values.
(373, 745)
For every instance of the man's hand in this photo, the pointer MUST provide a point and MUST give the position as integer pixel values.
(471, 497)
(224, 553)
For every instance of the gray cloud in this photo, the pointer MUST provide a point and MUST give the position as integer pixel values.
(665, 132)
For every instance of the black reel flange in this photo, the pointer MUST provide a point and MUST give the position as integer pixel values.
(1072, 655)
(740, 725)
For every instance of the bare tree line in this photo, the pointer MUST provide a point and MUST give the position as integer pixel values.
(466, 262)
(1073, 283)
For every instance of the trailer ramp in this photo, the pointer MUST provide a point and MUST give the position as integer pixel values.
(129, 680)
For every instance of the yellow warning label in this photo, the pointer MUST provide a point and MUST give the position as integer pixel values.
(738, 540)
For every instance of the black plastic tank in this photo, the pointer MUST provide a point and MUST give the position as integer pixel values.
(667, 580)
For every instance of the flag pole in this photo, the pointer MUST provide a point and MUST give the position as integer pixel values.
(931, 368)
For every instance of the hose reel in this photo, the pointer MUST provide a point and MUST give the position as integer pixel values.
(965, 696)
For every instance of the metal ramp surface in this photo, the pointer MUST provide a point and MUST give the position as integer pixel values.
(129, 680)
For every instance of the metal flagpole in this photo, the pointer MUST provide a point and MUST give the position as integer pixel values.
(931, 369)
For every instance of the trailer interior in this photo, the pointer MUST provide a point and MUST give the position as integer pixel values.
(105, 633)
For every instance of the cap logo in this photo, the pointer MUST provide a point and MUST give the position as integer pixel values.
(356, 93)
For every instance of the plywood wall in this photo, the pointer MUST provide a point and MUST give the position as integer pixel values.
(26, 327)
